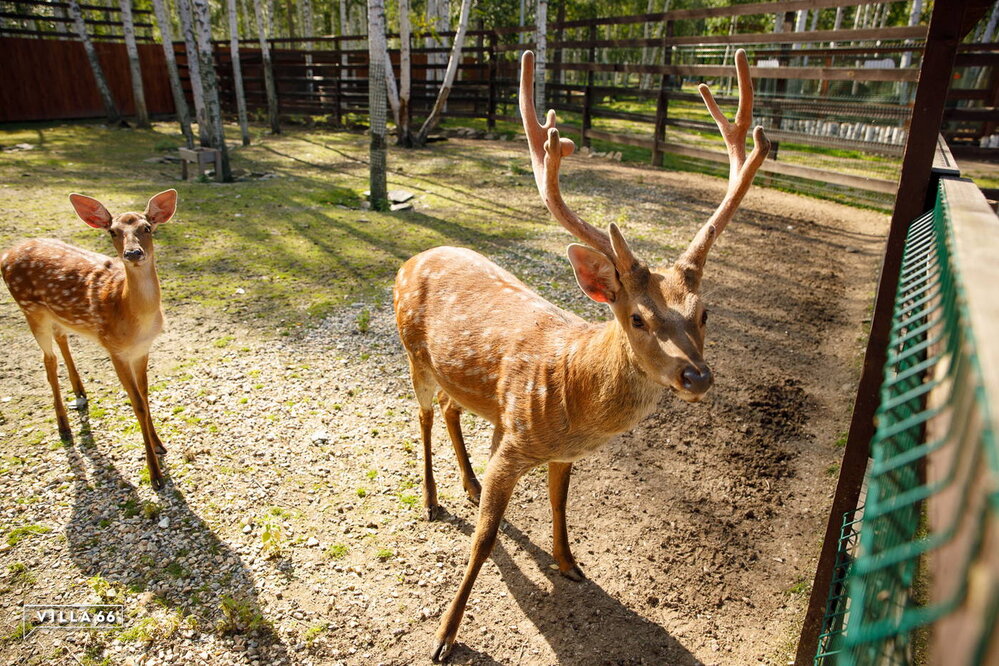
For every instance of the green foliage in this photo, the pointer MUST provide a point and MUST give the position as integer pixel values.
(240, 615)
(363, 320)
(337, 551)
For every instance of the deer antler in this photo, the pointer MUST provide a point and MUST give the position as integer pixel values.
(547, 151)
(741, 170)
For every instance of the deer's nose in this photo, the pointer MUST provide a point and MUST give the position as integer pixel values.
(695, 380)
(134, 255)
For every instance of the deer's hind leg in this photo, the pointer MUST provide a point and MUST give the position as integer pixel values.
(452, 418)
(43, 330)
(424, 386)
(74, 376)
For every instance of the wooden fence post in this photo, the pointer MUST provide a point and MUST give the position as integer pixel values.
(588, 94)
(337, 86)
(662, 101)
(491, 107)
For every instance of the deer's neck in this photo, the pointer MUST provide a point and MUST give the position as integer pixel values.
(605, 390)
(140, 294)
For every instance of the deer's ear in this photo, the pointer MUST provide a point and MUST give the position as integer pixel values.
(91, 211)
(161, 207)
(595, 273)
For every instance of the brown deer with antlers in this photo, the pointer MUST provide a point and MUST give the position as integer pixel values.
(63, 289)
(554, 386)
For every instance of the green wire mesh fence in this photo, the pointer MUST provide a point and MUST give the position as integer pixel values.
(908, 556)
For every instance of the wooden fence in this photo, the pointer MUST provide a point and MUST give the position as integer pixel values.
(836, 102)
(51, 80)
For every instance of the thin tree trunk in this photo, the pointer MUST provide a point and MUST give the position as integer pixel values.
(645, 80)
(265, 52)
(61, 26)
(134, 66)
(307, 31)
(405, 73)
(390, 88)
(376, 103)
(237, 73)
(452, 69)
(541, 37)
(202, 17)
(194, 72)
(179, 101)
(114, 117)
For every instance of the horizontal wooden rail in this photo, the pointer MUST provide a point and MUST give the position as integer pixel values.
(809, 73)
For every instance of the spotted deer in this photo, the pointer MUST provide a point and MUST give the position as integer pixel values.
(116, 301)
(554, 386)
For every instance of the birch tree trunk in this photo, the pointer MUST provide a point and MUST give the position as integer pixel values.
(541, 37)
(452, 69)
(134, 66)
(376, 103)
(265, 53)
(237, 73)
(114, 117)
(390, 88)
(194, 72)
(648, 52)
(307, 32)
(179, 101)
(405, 74)
(213, 107)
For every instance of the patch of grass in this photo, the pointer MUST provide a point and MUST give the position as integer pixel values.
(312, 633)
(371, 474)
(20, 574)
(363, 320)
(223, 342)
(145, 631)
(801, 586)
(385, 554)
(19, 534)
(841, 440)
(833, 470)
(362, 492)
(337, 551)
(130, 509)
(409, 501)
(240, 615)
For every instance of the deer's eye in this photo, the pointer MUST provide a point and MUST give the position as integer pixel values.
(637, 322)
(704, 318)
(148, 228)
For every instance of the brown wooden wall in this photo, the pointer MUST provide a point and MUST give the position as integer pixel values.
(48, 79)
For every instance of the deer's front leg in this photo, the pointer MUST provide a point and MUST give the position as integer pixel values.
(502, 474)
(558, 491)
(141, 409)
(139, 366)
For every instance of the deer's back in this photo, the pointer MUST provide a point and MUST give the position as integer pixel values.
(488, 339)
(52, 278)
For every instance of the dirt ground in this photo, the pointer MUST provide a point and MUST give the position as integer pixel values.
(698, 530)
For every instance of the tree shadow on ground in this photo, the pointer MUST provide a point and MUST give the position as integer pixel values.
(581, 622)
(112, 534)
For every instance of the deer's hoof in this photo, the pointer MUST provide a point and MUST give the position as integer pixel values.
(66, 433)
(80, 402)
(574, 573)
(156, 482)
(441, 651)
(475, 494)
(432, 512)
(160, 450)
